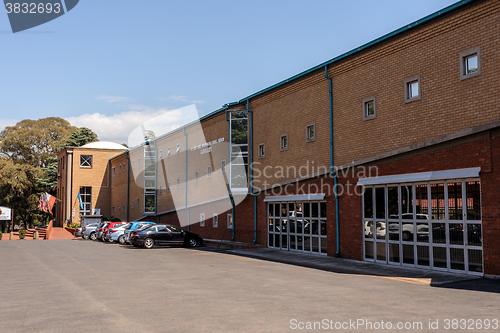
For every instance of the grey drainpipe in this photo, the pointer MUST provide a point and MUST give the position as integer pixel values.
(251, 175)
(331, 163)
(128, 184)
(229, 180)
(186, 181)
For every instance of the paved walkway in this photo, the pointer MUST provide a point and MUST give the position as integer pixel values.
(414, 275)
(61, 233)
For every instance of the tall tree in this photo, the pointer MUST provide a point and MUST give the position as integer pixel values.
(34, 142)
(80, 137)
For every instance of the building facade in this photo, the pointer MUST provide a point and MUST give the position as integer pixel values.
(386, 153)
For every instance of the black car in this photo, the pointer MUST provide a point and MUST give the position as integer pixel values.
(164, 234)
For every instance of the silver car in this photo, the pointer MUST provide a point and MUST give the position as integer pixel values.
(78, 232)
(116, 234)
(89, 231)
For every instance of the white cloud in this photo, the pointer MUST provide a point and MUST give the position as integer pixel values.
(118, 127)
(113, 99)
(4, 122)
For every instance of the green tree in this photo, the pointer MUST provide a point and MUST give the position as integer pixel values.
(34, 142)
(19, 190)
(80, 137)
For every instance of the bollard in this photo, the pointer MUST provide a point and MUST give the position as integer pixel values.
(35, 235)
(11, 235)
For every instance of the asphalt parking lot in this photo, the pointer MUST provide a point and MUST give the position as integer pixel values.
(84, 286)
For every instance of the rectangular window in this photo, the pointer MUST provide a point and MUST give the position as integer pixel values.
(178, 182)
(120, 168)
(196, 179)
(223, 166)
(86, 198)
(161, 153)
(168, 151)
(470, 63)
(311, 132)
(160, 190)
(262, 150)
(215, 221)
(412, 89)
(202, 220)
(230, 221)
(284, 142)
(114, 171)
(178, 150)
(168, 186)
(132, 203)
(369, 110)
(113, 211)
(86, 161)
(209, 171)
(133, 164)
(138, 202)
(119, 211)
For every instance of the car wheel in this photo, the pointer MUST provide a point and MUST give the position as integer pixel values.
(406, 235)
(121, 240)
(93, 236)
(148, 243)
(192, 242)
(85, 237)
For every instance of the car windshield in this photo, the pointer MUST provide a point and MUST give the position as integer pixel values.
(128, 226)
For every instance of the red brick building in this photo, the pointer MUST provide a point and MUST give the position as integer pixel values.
(386, 153)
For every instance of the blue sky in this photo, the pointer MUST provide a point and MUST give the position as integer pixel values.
(112, 64)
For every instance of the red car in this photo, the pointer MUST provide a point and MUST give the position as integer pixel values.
(108, 226)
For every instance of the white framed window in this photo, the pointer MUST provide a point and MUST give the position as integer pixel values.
(124, 167)
(215, 221)
(209, 172)
(196, 174)
(138, 202)
(138, 162)
(161, 190)
(262, 150)
(161, 153)
(132, 203)
(178, 150)
(434, 225)
(369, 108)
(119, 211)
(223, 166)
(86, 161)
(120, 170)
(123, 209)
(230, 221)
(412, 89)
(470, 63)
(178, 182)
(310, 132)
(202, 220)
(284, 142)
(114, 171)
(168, 151)
(113, 210)
(133, 163)
(168, 186)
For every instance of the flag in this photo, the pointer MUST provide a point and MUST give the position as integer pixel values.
(51, 200)
(80, 200)
(43, 203)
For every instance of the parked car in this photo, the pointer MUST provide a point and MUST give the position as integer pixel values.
(108, 226)
(116, 234)
(89, 231)
(98, 231)
(134, 226)
(162, 234)
(78, 232)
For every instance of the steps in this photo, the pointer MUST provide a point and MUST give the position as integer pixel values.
(30, 232)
